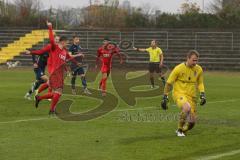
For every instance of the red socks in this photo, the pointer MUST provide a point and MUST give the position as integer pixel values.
(55, 99)
(100, 84)
(104, 84)
(46, 96)
(43, 87)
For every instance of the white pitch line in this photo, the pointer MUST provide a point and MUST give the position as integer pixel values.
(231, 153)
(118, 110)
(45, 118)
(26, 120)
(223, 101)
(133, 109)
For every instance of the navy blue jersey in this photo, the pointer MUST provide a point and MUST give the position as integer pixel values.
(74, 49)
(41, 60)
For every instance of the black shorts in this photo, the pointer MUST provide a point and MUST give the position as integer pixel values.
(154, 67)
(78, 71)
(39, 73)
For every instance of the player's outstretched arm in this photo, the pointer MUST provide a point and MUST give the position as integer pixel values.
(139, 49)
(27, 52)
(45, 49)
(77, 55)
(72, 59)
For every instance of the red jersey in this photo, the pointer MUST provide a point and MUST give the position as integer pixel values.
(57, 56)
(106, 55)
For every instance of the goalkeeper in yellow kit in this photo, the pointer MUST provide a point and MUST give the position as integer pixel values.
(186, 78)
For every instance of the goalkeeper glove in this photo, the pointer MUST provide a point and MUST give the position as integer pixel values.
(202, 98)
(164, 102)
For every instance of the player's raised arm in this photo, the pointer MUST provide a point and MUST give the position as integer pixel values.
(139, 49)
(51, 36)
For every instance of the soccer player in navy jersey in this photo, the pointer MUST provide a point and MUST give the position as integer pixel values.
(74, 49)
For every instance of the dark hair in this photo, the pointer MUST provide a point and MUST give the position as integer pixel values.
(75, 37)
(191, 53)
(154, 41)
(63, 38)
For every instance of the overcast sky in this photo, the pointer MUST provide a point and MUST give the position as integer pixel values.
(163, 5)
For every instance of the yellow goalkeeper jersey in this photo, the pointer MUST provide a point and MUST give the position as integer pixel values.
(186, 80)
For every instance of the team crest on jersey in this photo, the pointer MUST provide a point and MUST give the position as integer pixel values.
(106, 55)
(63, 57)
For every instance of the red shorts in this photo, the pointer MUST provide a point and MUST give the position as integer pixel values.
(56, 80)
(105, 69)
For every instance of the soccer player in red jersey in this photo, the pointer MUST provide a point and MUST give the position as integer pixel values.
(59, 55)
(44, 50)
(105, 54)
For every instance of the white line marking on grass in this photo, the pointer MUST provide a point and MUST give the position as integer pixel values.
(26, 120)
(45, 118)
(133, 109)
(117, 110)
(223, 101)
(231, 153)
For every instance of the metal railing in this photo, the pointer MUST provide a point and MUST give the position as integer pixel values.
(211, 41)
(214, 41)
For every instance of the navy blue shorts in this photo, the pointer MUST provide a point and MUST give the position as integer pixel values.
(39, 73)
(78, 71)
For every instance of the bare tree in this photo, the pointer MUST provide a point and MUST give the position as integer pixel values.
(189, 7)
(27, 7)
(216, 6)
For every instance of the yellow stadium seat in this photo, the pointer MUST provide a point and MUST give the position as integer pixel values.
(24, 43)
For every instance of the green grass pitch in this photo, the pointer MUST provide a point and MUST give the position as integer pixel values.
(141, 132)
